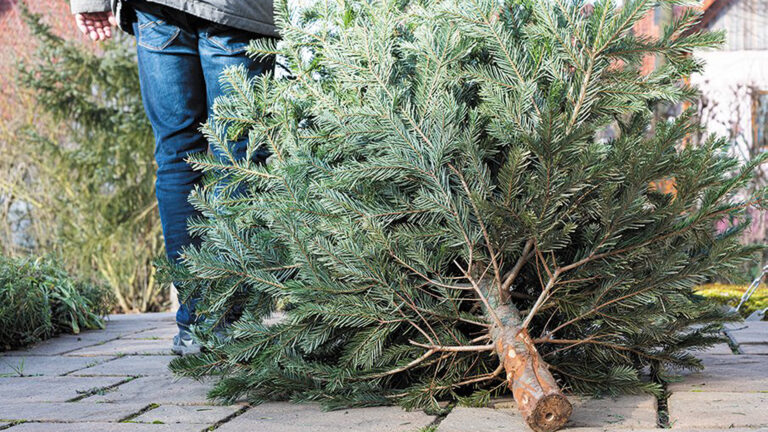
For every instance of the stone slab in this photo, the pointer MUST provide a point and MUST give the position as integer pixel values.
(126, 347)
(130, 327)
(738, 373)
(749, 332)
(462, 419)
(146, 316)
(149, 365)
(159, 390)
(136, 323)
(287, 417)
(64, 344)
(717, 349)
(171, 414)
(621, 412)
(759, 349)
(615, 413)
(95, 336)
(165, 332)
(718, 410)
(100, 427)
(50, 389)
(15, 366)
(67, 412)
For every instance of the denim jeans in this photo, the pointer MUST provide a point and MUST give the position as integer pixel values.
(180, 59)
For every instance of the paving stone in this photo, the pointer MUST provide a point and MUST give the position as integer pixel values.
(100, 427)
(169, 414)
(718, 410)
(12, 366)
(68, 411)
(718, 349)
(462, 419)
(287, 417)
(159, 390)
(150, 365)
(621, 412)
(133, 323)
(64, 344)
(131, 327)
(126, 347)
(50, 389)
(749, 332)
(738, 373)
(759, 349)
(166, 331)
(616, 413)
(147, 316)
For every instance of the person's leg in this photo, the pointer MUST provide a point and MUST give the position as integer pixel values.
(173, 92)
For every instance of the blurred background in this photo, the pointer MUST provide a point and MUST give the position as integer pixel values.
(76, 152)
(77, 167)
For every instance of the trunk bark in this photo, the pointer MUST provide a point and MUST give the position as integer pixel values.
(539, 399)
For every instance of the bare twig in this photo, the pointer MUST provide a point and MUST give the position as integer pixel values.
(403, 368)
(524, 256)
(454, 348)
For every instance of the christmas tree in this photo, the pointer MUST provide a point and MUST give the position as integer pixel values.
(459, 202)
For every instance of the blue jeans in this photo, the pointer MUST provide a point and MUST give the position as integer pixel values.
(180, 59)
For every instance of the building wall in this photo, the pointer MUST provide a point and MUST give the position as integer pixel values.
(734, 88)
(735, 77)
(727, 83)
(745, 23)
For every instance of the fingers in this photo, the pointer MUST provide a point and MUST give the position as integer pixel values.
(80, 22)
(97, 25)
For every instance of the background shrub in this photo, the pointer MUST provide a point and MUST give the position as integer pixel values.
(39, 300)
(77, 172)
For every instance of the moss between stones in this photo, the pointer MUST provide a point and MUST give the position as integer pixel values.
(731, 295)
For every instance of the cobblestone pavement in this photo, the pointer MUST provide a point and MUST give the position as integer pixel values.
(117, 380)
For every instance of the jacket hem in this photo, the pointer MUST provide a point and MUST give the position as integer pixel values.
(220, 17)
(88, 6)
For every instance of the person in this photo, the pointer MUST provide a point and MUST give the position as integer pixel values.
(182, 46)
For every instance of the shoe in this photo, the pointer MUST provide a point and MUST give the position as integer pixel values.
(183, 344)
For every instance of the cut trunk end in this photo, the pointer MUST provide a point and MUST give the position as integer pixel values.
(542, 404)
(550, 413)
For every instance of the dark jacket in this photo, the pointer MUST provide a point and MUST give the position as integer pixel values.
(251, 15)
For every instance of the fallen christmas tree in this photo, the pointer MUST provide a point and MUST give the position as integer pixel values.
(459, 202)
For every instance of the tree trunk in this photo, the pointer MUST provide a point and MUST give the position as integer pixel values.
(542, 404)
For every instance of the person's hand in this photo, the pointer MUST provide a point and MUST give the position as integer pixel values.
(96, 25)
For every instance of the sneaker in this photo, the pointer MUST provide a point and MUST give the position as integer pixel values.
(183, 344)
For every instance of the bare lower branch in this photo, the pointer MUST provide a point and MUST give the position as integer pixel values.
(457, 348)
(518, 266)
(540, 301)
(479, 378)
(481, 295)
(415, 362)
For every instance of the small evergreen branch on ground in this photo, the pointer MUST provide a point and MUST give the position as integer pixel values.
(39, 300)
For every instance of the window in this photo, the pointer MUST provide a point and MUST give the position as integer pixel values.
(760, 120)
